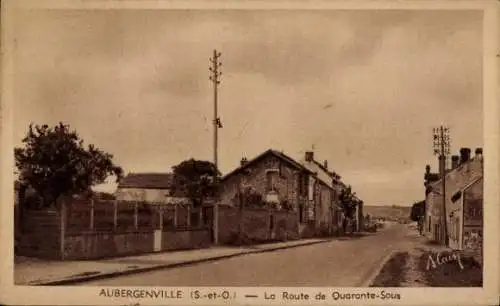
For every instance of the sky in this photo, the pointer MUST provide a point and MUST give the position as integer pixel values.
(365, 88)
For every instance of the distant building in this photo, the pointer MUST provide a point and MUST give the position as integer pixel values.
(150, 187)
(464, 202)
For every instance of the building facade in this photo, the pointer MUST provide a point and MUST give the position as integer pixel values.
(463, 198)
(279, 179)
(302, 187)
(325, 196)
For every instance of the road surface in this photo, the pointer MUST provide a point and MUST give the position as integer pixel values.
(337, 263)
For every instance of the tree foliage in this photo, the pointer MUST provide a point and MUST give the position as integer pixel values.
(55, 162)
(195, 179)
(417, 210)
(348, 202)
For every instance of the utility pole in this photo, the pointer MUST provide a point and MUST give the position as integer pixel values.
(215, 75)
(442, 149)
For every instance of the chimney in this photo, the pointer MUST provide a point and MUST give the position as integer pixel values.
(427, 169)
(325, 164)
(464, 155)
(479, 151)
(309, 156)
(442, 165)
(455, 160)
(243, 161)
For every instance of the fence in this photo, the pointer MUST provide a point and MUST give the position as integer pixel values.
(104, 216)
(90, 229)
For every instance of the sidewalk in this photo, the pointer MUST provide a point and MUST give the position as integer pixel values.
(29, 271)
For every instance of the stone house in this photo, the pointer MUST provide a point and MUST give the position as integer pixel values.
(463, 202)
(149, 187)
(279, 179)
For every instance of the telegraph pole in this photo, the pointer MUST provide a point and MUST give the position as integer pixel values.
(442, 149)
(215, 75)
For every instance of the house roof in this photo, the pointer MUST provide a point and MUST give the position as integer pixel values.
(472, 183)
(278, 154)
(438, 181)
(148, 181)
(321, 172)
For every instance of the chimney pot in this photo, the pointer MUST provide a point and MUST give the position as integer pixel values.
(309, 156)
(325, 164)
(243, 161)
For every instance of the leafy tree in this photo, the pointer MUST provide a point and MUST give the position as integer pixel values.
(348, 203)
(195, 179)
(417, 210)
(55, 162)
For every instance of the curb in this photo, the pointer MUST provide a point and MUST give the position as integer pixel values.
(371, 278)
(164, 266)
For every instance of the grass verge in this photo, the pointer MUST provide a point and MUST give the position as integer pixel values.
(392, 274)
(450, 273)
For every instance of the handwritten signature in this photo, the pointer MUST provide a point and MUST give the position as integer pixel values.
(441, 259)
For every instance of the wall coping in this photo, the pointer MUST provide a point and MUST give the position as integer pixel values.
(140, 231)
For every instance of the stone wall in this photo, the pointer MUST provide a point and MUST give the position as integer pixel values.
(258, 225)
(186, 239)
(95, 245)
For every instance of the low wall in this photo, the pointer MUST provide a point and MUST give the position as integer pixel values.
(228, 224)
(94, 245)
(186, 239)
(258, 225)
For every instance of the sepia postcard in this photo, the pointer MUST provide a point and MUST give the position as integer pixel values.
(250, 153)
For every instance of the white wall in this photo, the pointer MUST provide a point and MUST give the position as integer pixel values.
(149, 195)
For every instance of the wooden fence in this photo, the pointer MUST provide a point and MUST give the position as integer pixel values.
(106, 215)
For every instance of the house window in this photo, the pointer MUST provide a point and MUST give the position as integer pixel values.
(271, 180)
(303, 184)
(311, 190)
(429, 225)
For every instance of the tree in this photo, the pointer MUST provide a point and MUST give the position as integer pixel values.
(417, 210)
(195, 179)
(55, 162)
(348, 203)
